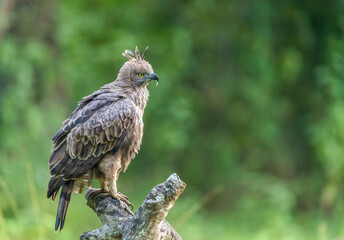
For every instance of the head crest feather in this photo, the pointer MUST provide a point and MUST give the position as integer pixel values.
(130, 55)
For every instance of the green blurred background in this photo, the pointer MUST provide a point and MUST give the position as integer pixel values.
(249, 111)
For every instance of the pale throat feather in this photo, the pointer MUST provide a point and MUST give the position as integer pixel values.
(140, 97)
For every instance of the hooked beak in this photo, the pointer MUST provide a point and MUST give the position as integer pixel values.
(147, 78)
(153, 76)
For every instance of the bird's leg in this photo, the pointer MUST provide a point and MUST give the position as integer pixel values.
(103, 192)
(112, 181)
(109, 169)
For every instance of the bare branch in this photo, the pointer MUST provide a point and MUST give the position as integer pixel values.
(148, 222)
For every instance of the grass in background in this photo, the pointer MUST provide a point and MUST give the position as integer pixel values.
(36, 217)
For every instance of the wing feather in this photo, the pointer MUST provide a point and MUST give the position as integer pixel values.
(89, 139)
(86, 108)
(107, 133)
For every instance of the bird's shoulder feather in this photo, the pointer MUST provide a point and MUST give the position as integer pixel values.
(95, 130)
(102, 130)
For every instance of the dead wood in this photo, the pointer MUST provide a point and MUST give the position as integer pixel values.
(148, 222)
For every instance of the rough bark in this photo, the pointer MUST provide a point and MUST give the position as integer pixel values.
(148, 222)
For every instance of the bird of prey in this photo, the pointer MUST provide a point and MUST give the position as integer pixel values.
(101, 136)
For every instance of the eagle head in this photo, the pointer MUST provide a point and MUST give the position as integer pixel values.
(137, 70)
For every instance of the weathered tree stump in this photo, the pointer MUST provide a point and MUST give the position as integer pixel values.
(148, 222)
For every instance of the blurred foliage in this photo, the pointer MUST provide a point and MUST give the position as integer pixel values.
(249, 111)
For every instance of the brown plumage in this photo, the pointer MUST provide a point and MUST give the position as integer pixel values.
(101, 136)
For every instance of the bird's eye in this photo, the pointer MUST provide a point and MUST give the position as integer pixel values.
(141, 74)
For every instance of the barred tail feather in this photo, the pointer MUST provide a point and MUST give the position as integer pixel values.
(54, 187)
(66, 192)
